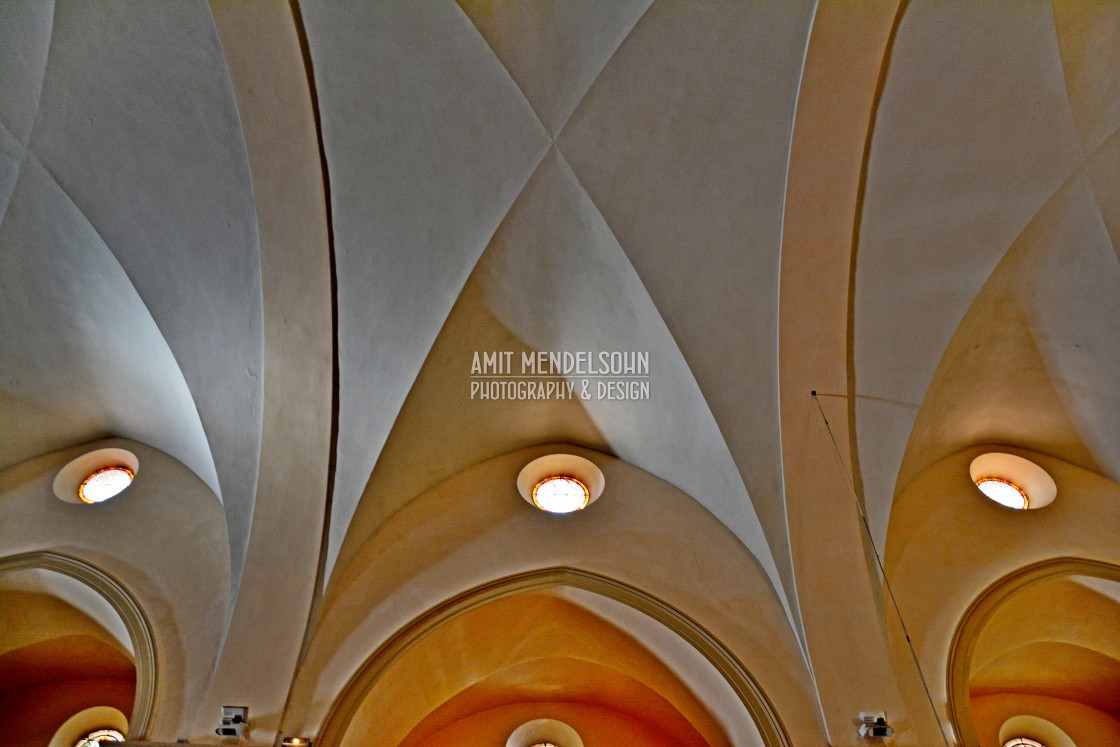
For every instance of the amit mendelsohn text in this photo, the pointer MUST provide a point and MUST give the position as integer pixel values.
(561, 363)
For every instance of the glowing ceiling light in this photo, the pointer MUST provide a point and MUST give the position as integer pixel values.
(96, 738)
(560, 484)
(1003, 492)
(1012, 481)
(1022, 742)
(561, 494)
(104, 484)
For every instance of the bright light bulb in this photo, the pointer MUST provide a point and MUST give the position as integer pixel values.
(100, 737)
(560, 494)
(104, 484)
(1003, 492)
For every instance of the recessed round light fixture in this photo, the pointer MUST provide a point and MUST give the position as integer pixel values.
(560, 483)
(1003, 492)
(560, 494)
(1012, 481)
(100, 736)
(544, 732)
(1032, 731)
(98, 726)
(104, 484)
(96, 476)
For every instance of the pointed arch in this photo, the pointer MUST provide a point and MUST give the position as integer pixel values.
(124, 604)
(754, 700)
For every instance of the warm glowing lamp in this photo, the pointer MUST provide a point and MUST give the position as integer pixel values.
(544, 732)
(1012, 481)
(560, 484)
(100, 736)
(560, 494)
(104, 484)
(1003, 492)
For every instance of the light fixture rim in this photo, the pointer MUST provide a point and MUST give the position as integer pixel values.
(1022, 741)
(70, 476)
(1028, 476)
(111, 468)
(561, 464)
(571, 478)
(544, 731)
(1004, 481)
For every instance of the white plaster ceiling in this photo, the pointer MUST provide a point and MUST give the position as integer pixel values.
(130, 242)
(420, 180)
(432, 144)
(551, 176)
(976, 152)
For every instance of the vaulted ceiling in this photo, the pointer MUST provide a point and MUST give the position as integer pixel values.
(259, 244)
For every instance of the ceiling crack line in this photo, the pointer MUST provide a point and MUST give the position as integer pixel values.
(319, 584)
(598, 75)
(653, 302)
(853, 264)
(23, 153)
(124, 271)
(775, 578)
(509, 75)
(43, 79)
(1062, 67)
(4, 126)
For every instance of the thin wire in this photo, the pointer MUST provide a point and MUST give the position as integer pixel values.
(882, 570)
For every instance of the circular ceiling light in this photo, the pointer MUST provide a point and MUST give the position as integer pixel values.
(95, 738)
(1003, 492)
(544, 732)
(560, 483)
(1012, 481)
(96, 476)
(560, 494)
(1032, 731)
(104, 484)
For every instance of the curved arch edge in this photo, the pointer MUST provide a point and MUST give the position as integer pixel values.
(136, 622)
(757, 704)
(980, 612)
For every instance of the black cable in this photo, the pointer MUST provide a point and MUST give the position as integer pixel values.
(882, 570)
